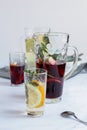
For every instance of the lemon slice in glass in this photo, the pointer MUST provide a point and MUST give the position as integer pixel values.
(31, 59)
(40, 38)
(40, 87)
(34, 96)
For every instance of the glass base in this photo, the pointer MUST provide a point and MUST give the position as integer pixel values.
(17, 85)
(35, 114)
(53, 100)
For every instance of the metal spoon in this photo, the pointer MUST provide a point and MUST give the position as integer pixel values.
(68, 114)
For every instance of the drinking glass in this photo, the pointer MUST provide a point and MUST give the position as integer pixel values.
(17, 63)
(52, 49)
(35, 89)
(30, 48)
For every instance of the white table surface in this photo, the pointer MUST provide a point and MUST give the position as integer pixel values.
(12, 107)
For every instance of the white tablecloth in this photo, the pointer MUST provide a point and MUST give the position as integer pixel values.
(13, 107)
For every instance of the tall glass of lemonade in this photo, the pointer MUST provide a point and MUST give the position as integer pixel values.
(35, 89)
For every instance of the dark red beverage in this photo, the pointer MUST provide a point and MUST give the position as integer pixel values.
(17, 74)
(55, 79)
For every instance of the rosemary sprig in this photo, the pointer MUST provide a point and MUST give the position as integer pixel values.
(43, 50)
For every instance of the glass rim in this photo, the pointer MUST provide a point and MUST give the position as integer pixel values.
(16, 52)
(53, 33)
(43, 71)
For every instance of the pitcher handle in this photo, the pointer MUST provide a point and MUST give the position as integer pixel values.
(74, 66)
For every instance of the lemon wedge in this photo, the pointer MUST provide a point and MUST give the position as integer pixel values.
(34, 96)
(31, 59)
(40, 38)
(40, 87)
(29, 44)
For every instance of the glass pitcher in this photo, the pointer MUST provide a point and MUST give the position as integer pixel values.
(51, 50)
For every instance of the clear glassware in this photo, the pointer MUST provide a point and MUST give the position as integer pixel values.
(35, 89)
(17, 64)
(52, 49)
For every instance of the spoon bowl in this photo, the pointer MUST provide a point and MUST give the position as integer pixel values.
(68, 114)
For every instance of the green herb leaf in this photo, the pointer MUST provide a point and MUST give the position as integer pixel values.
(46, 39)
(44, 48)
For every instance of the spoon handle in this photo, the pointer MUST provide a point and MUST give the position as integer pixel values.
(85, 123)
